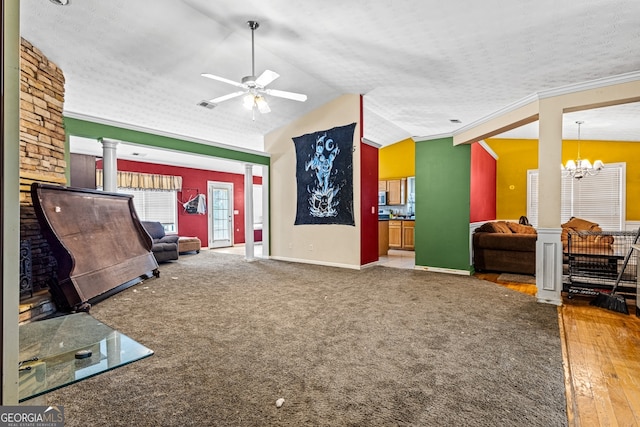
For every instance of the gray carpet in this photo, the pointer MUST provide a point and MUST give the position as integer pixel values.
(379, 347)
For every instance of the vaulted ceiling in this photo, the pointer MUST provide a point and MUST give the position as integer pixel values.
(419, 63)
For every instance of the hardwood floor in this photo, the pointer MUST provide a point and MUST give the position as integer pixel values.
(601, 351)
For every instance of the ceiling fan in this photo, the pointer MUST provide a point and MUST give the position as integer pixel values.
(254, 87)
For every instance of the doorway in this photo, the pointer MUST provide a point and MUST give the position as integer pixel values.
(220, 214)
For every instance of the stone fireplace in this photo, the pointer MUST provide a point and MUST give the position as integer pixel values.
(42, 149)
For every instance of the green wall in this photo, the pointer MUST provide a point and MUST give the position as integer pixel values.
(443, 175)
(86, 129)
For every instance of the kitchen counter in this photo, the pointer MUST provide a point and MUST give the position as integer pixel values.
(386, 218)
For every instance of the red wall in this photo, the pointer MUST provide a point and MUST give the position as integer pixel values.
(194, 181)
(369, 186)
(483, 185)
(368, 198)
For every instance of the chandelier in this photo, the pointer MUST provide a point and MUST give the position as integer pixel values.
(580, 168)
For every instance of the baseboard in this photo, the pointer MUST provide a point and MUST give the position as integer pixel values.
(316, 262)
(369, 265)
(443, 270)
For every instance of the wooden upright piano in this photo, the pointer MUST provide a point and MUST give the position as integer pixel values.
(97, 240)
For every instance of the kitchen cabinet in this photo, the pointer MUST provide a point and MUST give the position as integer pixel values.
(383, 237)
(402, 234)
(397, 190)
(408, 235)
(395, 234)
(382, 185)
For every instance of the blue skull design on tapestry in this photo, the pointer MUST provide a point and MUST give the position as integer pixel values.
(324, 174)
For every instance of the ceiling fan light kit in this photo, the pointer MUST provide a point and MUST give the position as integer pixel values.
(253, 87)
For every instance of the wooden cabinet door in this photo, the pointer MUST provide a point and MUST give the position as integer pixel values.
(408, 235)
(383, 237)
(395, 234)
(395, 187)
(393, 197)
(382, 185)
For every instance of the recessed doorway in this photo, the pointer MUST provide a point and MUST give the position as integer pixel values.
(220, 214)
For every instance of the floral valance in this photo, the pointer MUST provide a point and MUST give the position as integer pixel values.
(144, 181)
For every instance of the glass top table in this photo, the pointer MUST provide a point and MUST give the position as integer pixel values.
(64, 350)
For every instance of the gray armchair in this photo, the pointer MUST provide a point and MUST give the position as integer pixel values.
(165, 248)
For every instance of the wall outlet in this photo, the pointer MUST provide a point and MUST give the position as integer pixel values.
(310, 247)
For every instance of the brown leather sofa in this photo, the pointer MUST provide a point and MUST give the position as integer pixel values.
(506, 247)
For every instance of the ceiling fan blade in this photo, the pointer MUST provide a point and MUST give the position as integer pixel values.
(266, 77)
(223, 80)
(284, 94)
(229, 96)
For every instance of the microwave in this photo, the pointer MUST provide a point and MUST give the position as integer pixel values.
(382, 198)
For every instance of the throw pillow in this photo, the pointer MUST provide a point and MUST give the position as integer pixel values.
(487, 227)
(501, 227)
(521, 229)
(579, 224)
(494, 227)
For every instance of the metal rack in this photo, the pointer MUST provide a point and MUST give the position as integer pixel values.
(593, 261)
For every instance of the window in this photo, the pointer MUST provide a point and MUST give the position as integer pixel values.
(156, 206)
(599, 198)
(154, 196)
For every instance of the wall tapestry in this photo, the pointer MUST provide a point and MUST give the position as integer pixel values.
(324, 174)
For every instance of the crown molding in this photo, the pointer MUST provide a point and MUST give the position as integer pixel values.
(121, 125)
(488, 149)
(371, 143)
(549, 93)
(590, 85)
(431, 137)
(498, 113)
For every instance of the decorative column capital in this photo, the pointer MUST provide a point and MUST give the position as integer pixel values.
(108, 143)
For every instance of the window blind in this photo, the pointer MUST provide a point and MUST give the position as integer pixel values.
(155, 206)
(599, 198)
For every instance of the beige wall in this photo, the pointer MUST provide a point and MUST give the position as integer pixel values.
(337, 245)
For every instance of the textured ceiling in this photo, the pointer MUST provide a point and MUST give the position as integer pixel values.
(418, 64)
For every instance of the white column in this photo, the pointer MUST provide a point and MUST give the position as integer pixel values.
(248, 212)
(549, 246)
(109, 165)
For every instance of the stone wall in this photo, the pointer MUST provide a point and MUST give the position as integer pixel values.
(42, 147)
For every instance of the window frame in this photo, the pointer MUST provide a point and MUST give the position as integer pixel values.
(577, 197)
(144, 208)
